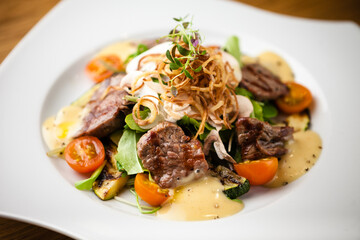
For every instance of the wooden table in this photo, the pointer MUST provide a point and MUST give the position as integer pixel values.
(17, 17)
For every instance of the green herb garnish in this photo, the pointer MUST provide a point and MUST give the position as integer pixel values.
(187, 42)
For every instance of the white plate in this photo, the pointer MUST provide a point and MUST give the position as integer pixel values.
(45, 72)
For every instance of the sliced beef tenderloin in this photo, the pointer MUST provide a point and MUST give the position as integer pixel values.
(171, 157)
(262, 83)
(107, 110)
(108, 84)
(259, 139)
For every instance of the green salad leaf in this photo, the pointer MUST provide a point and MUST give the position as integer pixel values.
(269, 110)
(262, 110)
(258, 110)
(86, 184)
(130, 122)
(140, 49)
(243, 92)
(127, 152)
(232, 46)
(193, 125)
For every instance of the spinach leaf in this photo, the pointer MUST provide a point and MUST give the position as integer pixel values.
(232, 46)
(127, 152)
(86, 184)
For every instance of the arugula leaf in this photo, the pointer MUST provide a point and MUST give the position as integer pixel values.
(269, 110)
(140, 49)
(232, 46)
(258, 111)
(127, 153)
(243, 92)
(192, 121)
(130, 122)
(262, 110)
(86, 184)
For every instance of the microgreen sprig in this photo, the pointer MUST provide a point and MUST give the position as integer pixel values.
(187, 42)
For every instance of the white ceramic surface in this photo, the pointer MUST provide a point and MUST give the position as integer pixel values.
(45, 72)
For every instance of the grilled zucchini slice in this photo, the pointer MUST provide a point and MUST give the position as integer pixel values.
(299, 121)
(109, 183)
(234, 185)
(110, 152)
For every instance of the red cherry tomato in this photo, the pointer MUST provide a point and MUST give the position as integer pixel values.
(85, 154)
(103, 67)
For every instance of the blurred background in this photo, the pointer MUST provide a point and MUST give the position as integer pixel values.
(17, 17)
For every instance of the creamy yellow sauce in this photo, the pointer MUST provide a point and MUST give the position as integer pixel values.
(57, 130)
(200, 200)
(303, 153)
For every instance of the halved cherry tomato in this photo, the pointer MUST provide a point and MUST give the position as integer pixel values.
(103, 67)
(258, 172)
(298, 98)
(85, 154)
(149, 191)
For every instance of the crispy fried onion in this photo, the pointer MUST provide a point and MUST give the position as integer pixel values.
(145, 101)
(210, 92)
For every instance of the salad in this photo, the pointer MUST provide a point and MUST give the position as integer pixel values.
(187, 128)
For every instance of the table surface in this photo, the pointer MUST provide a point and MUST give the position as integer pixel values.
(17, 17)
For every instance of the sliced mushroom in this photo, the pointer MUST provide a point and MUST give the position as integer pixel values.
(214, 138)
